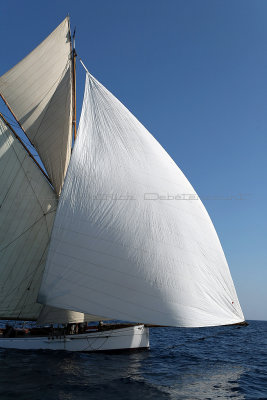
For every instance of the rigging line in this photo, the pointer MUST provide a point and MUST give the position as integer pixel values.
(54, 87)
(10, 120)
(30, 274)
(22, 233)
(29, 182)
(26, 277)
(10, 109)
(83, 64)
(73, 59)
(16, 125)
(17, 288)
(33, 148)
(11, 183)
(19, 124)
(27, 150)
(31, 281)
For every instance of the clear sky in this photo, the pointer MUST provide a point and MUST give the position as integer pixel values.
(195, 74)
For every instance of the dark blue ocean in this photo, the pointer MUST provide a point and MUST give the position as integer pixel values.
(206, 363)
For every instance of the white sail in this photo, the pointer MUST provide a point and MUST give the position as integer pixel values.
(38, 90)
(120, 250)
(27, 211)
(54, 315)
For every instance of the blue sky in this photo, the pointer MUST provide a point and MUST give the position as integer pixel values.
(195, 74)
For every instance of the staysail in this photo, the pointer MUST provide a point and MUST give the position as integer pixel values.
(131, 239)
(27, 210)
(38, 90)
(53, 315)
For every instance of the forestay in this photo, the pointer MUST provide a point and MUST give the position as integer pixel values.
(38, 90)
(27, 211)
(131, 239)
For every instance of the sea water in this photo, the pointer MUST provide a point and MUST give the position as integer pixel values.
(203, 363)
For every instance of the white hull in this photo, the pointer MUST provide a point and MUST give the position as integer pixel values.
(134, 337)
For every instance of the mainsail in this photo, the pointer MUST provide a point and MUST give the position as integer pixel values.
(27, 210)
(38, 91)
(131, 240)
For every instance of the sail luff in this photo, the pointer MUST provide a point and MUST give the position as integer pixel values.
(25, 147)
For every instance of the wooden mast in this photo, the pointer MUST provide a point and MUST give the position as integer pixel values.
(73, 56)
(25, 147)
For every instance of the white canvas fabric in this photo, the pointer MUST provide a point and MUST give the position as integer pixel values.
(131, 239)
(27, 211)
(53, 315)
(38, 90)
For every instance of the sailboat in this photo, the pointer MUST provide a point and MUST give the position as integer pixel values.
(106, 226)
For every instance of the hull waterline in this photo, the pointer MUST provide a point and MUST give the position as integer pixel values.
(130, 338)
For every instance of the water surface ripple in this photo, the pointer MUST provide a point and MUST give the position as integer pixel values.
(203, 363)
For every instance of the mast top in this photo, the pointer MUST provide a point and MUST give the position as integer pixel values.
(73, 57)
(73, 40)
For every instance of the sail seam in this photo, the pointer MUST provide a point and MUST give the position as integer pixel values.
(14, 115)
(25, 148)
(123, 300)
(128, 288)
(29, 181)
(25, 174)
(58, 80)
(32, 279)
(23, 233)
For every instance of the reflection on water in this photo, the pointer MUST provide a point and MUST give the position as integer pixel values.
(182, 364)
(209, 384)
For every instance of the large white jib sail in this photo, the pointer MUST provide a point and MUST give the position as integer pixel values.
(119, 248)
